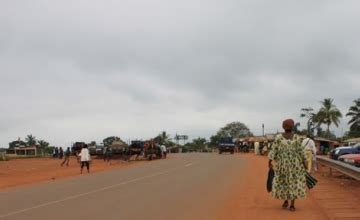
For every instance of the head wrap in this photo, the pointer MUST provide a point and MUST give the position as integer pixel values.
(288, 124)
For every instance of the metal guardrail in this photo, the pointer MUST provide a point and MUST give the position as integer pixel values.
(349, 170)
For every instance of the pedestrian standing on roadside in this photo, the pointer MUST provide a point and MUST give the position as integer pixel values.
(289, 182)
(56, 154)
(163, 151)
(108, 155)
(85, 158)
(104, 153)
(261, 147)
(315, 166)
(322, 149)
(246, 147)
(310, 151)
(265, 149)
(257, 148)
(151, 149)
(61, 153)
(67, 157)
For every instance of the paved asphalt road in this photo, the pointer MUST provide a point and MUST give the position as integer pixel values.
(186, 186)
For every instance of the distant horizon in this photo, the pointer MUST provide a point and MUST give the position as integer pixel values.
(172, 135)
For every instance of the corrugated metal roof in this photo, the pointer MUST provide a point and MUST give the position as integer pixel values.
(354, 140)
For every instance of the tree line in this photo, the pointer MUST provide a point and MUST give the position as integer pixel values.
(30, 141)
(234, 129)
(328, 115)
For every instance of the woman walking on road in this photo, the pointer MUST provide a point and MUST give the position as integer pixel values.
(289, 182)
(85, 158)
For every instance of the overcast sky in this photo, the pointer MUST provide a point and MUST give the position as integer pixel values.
(85, 70)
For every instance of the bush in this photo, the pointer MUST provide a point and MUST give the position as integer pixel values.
(3, 157)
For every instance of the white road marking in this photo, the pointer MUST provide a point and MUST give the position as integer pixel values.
(188, 165)
(87, 193)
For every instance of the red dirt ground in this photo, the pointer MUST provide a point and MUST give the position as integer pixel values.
(332, 198)
(19, 172)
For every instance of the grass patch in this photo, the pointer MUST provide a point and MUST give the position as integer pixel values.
(3, 157)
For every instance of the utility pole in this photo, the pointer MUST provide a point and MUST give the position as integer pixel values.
(263, 129)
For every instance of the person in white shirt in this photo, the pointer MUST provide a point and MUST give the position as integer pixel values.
(310, 151)
(163, 151)
(85, 158)
(257, 148)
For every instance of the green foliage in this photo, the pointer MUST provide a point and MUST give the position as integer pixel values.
(214, 141)
(302, 132)
(163, 138)
(43, 144)
(17, 143)
(234, 130)
(354, 113)
(198, 144)
(325, 134)
(311, 117)
(296, 128)
(328, 114)
(353, 133)
(3, 157)
(44, 148)
(30, 140)
(109, 140)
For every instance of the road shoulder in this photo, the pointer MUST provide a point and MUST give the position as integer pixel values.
(251, 200)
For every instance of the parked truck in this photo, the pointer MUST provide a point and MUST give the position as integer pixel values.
(77, 146)
(226, 145)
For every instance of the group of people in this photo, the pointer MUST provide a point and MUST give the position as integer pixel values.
(59, 153)
(243, 147)
(84, 157)
(293, 157)
(261, 148)
(155, 147)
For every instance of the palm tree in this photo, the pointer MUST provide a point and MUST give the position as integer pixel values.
(30, 140)
(43, 147)
(328, 114)
(354, 113)
(163, 138)
(43, 144)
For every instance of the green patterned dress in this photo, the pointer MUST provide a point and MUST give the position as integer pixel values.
(289, 182)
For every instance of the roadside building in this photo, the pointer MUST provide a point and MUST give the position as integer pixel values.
(262, 140)
(323, 145)
(22, 151)
(351, 141)
(268, 138)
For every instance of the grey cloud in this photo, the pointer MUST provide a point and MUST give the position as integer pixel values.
(188, 66)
